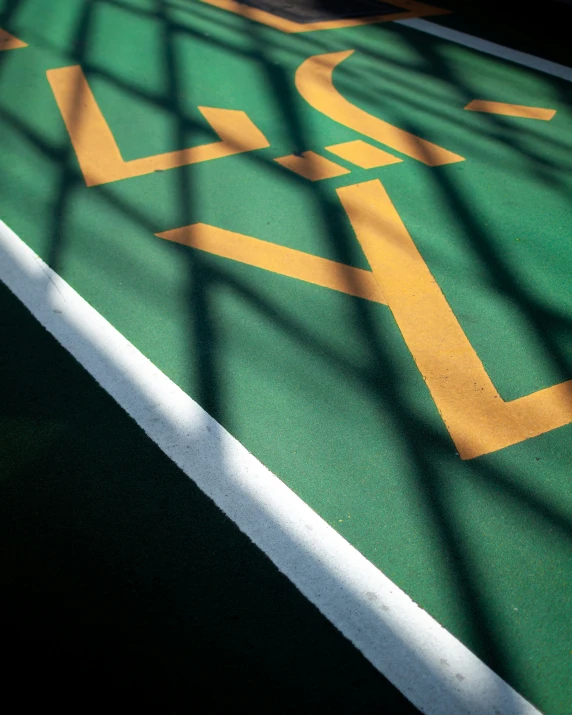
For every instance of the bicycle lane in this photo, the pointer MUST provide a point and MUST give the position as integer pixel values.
(319, 385)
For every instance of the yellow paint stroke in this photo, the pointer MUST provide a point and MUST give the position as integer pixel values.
(278, 259)
(9, 42)
(411, 9)
(363, 154)
(315, 83)
(510, 110)
(478, 419)
(98, 154)
(312, 166)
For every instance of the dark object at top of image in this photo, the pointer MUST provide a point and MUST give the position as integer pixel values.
(305, 11)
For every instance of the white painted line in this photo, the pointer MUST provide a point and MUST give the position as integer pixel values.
(432, 668)
(490, 48)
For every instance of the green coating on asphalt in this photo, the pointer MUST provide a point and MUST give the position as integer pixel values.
(318, 385)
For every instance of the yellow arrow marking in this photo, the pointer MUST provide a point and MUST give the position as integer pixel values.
(278, 259)
(478, 419)
(9, 42)
(98, 154)
(315, 83)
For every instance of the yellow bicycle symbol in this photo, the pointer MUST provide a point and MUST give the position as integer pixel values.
(476, 416)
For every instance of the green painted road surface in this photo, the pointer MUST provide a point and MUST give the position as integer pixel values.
(319, 385)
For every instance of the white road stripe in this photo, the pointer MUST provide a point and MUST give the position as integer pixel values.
(431, 667)
(490, 48)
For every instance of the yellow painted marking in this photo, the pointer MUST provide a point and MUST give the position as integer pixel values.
(411, 9)
(510, 110)
(315, 83)
(278, 259)
(9, 42)
(98, 154)
(363, 154)
(312, 166)
(478, 419)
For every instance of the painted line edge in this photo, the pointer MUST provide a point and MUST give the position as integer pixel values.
(400, 639)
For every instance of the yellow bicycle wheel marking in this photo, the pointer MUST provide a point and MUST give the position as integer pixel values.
(314, 81)
(98, 154)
